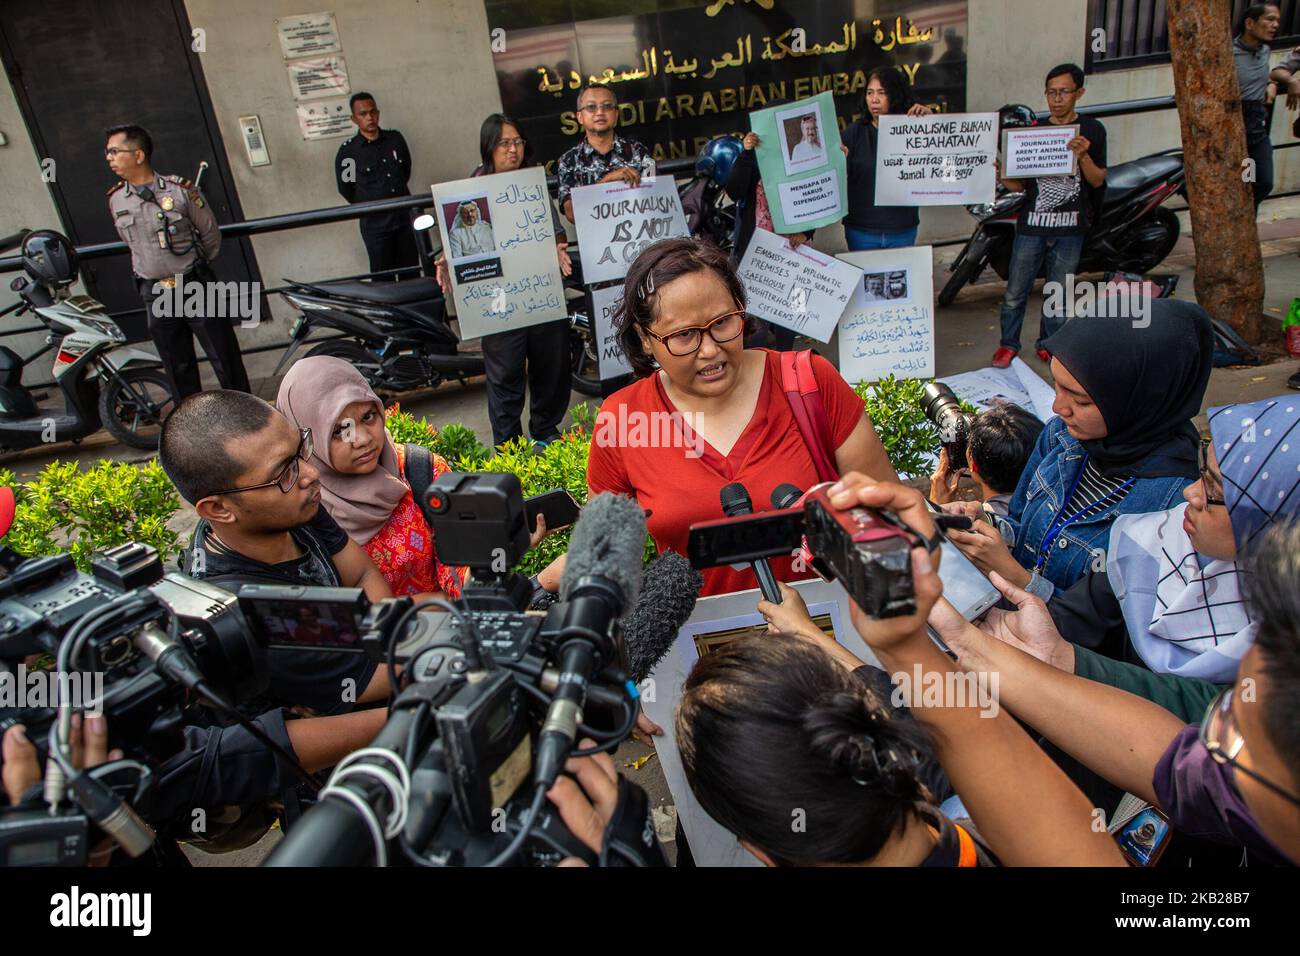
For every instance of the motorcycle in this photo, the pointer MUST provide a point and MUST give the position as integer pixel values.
(1132, 234)
(398, 336)
(104, 382)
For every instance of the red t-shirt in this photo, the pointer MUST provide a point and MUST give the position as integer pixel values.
(681, 488)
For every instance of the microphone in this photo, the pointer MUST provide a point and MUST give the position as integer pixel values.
(601, 578)
(735, 501)
(668, 595)
(785, 496)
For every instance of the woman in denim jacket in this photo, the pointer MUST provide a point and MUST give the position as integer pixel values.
(1126, 391)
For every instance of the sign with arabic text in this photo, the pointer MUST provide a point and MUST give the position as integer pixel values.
(888, 328)
(684, 73)
(499, 240)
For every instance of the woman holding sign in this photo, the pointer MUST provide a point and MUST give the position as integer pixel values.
(712, 412)
(868, 226)
(544, 347)
(745, 188)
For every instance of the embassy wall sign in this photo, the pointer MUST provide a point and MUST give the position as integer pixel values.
(685, 71)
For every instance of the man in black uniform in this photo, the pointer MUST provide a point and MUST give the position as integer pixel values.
(376, 164)
(173, 238)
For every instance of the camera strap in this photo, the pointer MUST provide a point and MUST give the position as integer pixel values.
(630, 838)
(417, 468)
(805, 397)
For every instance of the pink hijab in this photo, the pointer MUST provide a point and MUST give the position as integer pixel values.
(313, 395)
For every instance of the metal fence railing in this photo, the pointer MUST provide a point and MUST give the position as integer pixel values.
(316, 217)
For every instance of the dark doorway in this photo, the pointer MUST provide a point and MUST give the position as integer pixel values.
(80, 66)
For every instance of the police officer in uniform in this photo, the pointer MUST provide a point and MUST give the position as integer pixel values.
(376, 164)
(173, 237)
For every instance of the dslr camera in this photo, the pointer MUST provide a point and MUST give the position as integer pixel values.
(943, 407)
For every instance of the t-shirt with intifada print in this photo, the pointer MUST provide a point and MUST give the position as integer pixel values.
(1066, 205)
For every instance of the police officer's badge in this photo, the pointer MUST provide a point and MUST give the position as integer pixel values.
(167, 202)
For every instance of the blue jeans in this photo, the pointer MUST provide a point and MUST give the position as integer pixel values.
(1062, 254)
(862, 239)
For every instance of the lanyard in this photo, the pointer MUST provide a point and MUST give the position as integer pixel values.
(1062, 521)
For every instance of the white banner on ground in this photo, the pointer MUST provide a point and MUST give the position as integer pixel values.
(990, 387)
(499, 239)
(888, 328)
(800, 289)
(611, 361)
(616, 221)
(944, 159)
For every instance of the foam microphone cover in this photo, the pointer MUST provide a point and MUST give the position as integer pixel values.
(608, 541)
(668, 595)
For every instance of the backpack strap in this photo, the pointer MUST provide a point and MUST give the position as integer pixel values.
(418, 469)
(805, 397)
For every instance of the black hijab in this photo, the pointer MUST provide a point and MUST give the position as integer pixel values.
(1148, 382)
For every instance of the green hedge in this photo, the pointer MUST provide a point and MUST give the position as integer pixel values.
(68, 509)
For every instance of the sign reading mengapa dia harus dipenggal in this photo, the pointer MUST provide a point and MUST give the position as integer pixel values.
(498, 237)
(800, 289)
(945, 159)
(802, 166)
(616, 221)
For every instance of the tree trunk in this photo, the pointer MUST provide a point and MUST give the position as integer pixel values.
(1229, 268)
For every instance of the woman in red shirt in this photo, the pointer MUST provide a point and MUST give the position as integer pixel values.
(714, 412)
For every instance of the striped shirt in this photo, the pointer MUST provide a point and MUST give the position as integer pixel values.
(1092, 495)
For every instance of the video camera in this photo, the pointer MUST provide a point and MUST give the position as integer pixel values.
(493, 697)
(123, 640)
(867, 551)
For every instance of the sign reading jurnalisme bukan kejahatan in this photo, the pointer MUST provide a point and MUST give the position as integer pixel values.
(685, 72)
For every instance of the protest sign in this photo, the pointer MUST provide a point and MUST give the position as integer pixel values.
(616, 221)
(1038, 151)
(610, 360)
(888, 327)
(499, 240)
(800, 289)
(944, 159)
(801, 163)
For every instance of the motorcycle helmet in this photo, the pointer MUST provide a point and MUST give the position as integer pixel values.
(1016, 116)
(49, 258)
(717, 157)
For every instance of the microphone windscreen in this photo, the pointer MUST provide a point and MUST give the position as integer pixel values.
(608, 541)
(735, 500)
(668, 595)
(785, 496)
